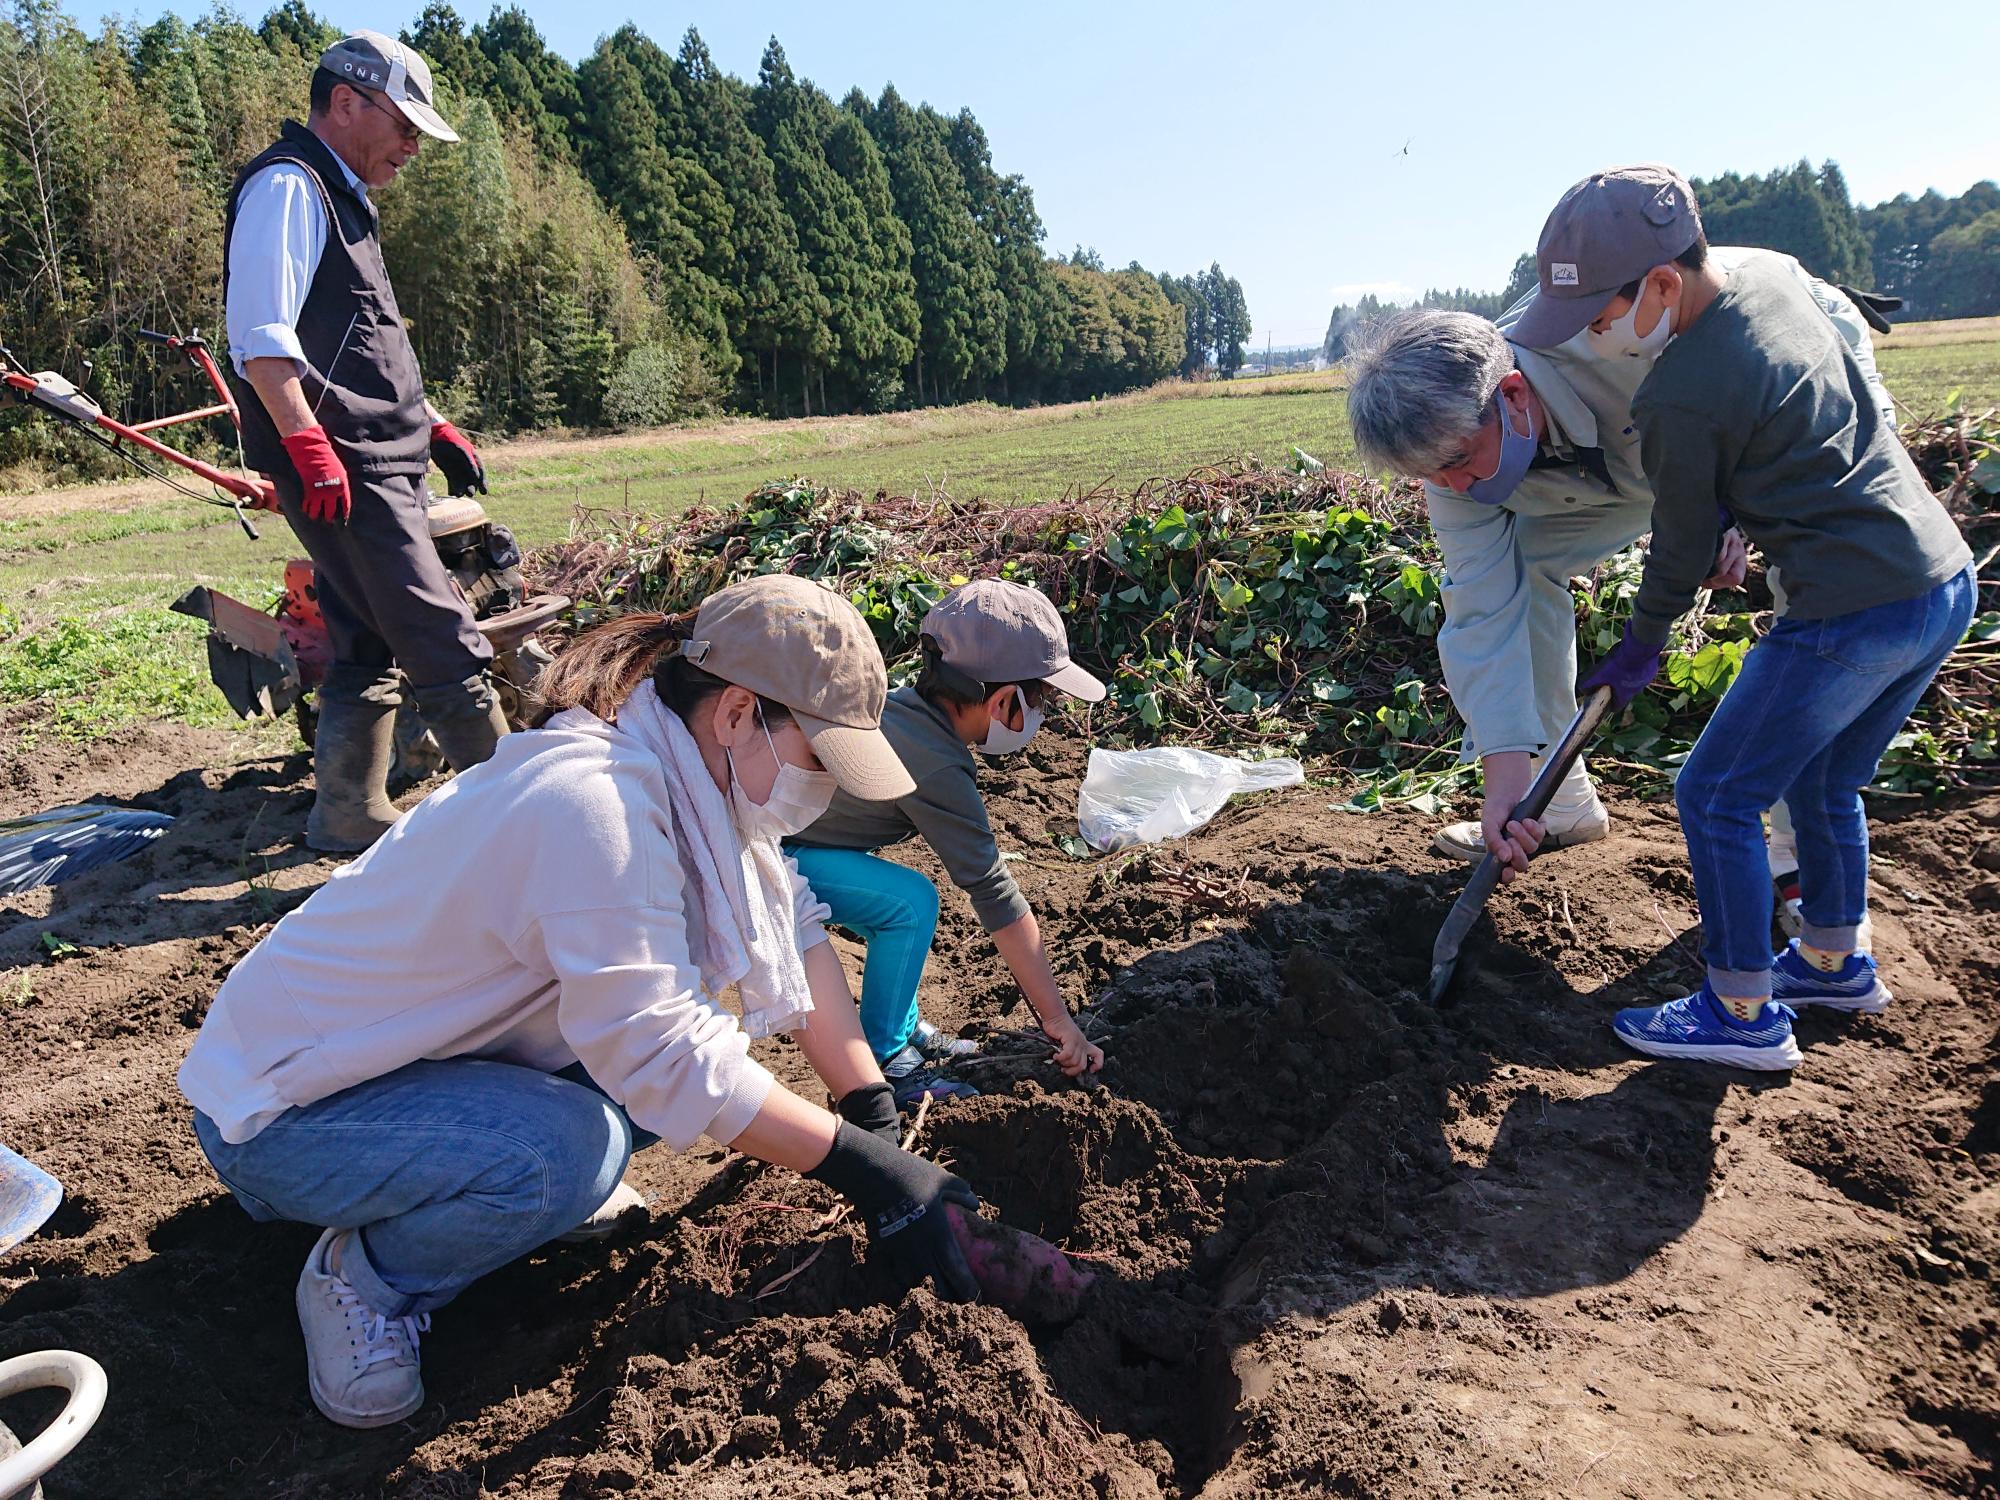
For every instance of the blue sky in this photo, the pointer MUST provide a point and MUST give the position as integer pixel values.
(1270, 136)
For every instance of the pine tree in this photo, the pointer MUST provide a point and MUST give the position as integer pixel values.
(664, 200)
(455, 59)
(529, 85)
(777, 304)
(1004, 210)
(878, 339)
(955, 267)
(796, 121)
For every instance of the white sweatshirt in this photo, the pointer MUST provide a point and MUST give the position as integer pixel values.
(529, 911)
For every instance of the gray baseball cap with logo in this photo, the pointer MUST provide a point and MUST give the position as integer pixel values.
(370, 60)
(1610, 229)
(998, 631)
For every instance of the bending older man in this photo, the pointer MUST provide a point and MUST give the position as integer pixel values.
(1532, 476)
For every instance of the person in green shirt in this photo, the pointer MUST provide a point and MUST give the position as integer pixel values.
(993, 651)
(1756, 413)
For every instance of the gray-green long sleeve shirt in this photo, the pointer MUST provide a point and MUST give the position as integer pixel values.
(945, 809)
(1508, 644)
(1760, 406)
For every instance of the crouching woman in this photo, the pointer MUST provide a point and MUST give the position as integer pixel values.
(446, 1056)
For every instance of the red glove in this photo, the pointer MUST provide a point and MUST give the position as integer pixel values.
(463, 472)
(327, 496)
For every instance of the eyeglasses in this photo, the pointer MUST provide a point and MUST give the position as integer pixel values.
(409, 131)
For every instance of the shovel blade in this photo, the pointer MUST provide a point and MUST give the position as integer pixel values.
(28, 1195)
(1441, 975)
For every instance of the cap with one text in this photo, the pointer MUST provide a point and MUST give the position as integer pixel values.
(796, 643)
(370, 60)
(1610, 229)
(998, 631)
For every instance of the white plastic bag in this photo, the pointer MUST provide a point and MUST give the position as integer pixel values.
(1148, 796)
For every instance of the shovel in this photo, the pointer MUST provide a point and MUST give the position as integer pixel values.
(28, 1195)
(1472, 900)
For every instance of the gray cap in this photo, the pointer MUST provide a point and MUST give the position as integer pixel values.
(370, 60)
(1007, 632)
(1610, 229)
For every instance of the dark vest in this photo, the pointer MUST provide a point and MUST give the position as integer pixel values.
(364, 382)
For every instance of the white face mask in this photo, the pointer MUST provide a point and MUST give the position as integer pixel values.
(1000, 740)
(1622, 339)
(798, 796)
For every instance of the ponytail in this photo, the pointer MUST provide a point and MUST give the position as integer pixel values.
(604, 666)
(601, 668)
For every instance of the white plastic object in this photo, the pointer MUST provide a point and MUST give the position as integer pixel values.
(1149, 796)
(83, 1378)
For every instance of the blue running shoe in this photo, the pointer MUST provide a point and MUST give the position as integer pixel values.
(1697, 1027)
(1855, 986)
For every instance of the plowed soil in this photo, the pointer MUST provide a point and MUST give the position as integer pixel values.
(1346, 1243)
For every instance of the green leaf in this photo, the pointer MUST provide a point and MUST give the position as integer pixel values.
(56, 947)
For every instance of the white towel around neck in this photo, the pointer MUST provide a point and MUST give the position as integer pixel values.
(744, 886)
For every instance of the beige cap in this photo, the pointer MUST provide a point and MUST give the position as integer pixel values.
(998, 631)
(789, 640)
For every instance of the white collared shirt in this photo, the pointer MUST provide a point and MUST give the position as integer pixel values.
(274, 252)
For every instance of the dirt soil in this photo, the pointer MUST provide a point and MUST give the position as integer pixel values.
(1345, 1243)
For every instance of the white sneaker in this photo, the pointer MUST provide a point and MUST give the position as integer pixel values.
(604, 1218)
(1465, 840)
(363, 1367)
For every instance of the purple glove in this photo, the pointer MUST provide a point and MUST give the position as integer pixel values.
(1627, 671)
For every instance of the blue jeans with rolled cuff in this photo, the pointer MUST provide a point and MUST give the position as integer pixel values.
(448, 1169)
(1807, 719)
(894, 911)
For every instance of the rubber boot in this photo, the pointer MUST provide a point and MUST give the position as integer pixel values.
(464, 717)
(351, 749)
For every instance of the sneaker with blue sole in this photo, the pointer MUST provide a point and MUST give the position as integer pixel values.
(1698, 1028)
(1853, 986)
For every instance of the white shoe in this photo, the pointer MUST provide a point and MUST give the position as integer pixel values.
(1467, 842)
(363, 1366)
(604, 1218)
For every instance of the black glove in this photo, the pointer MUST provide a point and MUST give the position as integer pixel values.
(873, 1108)
(1873, 306)
(901, 1197)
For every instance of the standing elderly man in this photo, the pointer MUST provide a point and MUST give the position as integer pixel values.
(333, 409)
(1532, 476)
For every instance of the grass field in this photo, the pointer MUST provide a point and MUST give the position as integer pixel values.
(87, 643)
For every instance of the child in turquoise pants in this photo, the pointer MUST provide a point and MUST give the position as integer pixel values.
(992, 651)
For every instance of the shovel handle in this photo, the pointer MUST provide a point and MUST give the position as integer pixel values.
(1472, 900)
(1590, 713)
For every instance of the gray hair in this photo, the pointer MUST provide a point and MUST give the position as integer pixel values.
(1420, 385)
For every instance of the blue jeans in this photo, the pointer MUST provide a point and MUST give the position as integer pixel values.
(448, 1170)
(1808, 718)
(893, 910)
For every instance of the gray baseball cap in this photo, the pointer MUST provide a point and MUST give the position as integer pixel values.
(1611, 228)
(998, 631)
(370, 60)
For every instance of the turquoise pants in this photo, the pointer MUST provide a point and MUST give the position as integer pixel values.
(893, 910)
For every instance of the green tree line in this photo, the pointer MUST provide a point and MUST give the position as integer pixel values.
(1940, 255)
(624, 241)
